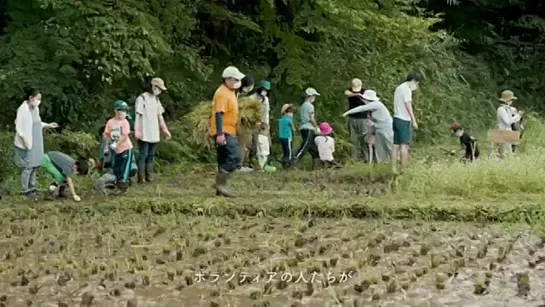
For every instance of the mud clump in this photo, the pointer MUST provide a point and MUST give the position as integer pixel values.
(523, 284)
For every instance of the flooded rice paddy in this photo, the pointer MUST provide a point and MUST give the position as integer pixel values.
(148, 260)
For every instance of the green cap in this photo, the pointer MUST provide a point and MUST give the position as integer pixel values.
(121, 105)
(264, 84)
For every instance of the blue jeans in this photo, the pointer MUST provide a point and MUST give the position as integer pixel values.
(146, 152)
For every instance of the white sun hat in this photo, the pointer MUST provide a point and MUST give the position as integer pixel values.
(370, 95)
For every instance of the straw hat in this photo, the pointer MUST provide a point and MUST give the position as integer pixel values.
(285, 107)
(507, 96)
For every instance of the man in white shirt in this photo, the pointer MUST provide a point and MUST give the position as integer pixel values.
(404, 119)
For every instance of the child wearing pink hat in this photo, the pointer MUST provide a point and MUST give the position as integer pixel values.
(325, 144)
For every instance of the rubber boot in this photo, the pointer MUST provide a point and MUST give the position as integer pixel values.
(141, 172)
(221, 185)
(149, 172)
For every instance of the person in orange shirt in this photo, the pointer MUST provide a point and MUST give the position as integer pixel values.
(223, 128)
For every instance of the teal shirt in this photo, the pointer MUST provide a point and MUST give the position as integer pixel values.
(284, 127)
(307, 109)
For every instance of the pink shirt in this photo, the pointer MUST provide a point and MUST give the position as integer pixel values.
(116, 128)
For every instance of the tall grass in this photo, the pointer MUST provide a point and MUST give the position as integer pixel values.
(521, 173)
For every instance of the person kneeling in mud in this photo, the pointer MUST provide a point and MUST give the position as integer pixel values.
(468, 143)
(61, 167)
(118, 146)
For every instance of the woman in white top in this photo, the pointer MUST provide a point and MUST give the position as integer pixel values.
(29, 141)
(148, 124)
(384, 133)
(506, 118)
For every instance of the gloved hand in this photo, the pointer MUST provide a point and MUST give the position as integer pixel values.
(77, 198)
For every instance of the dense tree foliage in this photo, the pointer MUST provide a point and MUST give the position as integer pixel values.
(84, 54)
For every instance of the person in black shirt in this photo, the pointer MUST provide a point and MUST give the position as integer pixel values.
(359, 124)
(469, 143)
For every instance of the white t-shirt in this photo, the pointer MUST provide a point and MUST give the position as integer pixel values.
(263, 148)
(403, 96)
(149, 107)
(326, 147)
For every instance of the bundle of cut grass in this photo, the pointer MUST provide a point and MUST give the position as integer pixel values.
(199, 118)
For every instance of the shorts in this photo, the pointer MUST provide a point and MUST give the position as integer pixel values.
(402, 131)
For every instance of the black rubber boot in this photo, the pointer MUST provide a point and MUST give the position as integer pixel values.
(149, 172)
(141, 172)
(221, 185)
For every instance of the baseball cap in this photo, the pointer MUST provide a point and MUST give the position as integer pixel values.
(232, 72)
(264, 84)
(121, 105)
(311, 92)
(159, 83)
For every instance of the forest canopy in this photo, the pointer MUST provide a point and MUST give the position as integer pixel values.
(85, 54)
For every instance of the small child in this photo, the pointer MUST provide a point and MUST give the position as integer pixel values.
(326, 145)
(263, 148)
(61, 167)
(468, 143)
(117, 136)
(286, 128)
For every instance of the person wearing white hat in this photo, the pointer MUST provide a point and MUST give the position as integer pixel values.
(308, 128)
(148, 124)
(384, 133)
(223, 128)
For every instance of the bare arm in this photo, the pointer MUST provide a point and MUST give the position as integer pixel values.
(350, 93)
(313, 120)
(71, 186)
(409, 107)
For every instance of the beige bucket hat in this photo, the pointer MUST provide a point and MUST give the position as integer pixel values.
(285, 107)
(507, 96)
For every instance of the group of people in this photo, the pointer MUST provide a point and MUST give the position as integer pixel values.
(375, 134)
(117, 160)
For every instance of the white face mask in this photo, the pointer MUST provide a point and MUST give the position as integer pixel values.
(264, 93)
(156, 91)
(289, 114)
(413, 86)
(237, 85)
(36, 103)
(122, 114)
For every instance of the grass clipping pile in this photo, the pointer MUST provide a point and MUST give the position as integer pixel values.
(249, 116)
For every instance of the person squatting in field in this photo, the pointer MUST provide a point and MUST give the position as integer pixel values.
(468, 142)
(326, 145)
(223, 128)
(382, 124)
(29, 141)
(117, 146)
